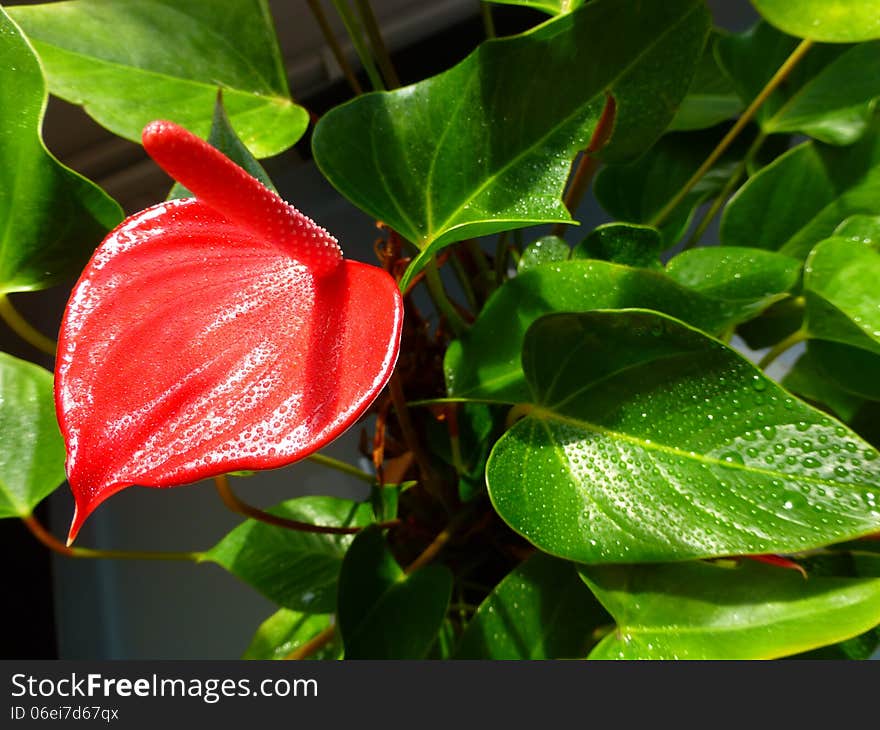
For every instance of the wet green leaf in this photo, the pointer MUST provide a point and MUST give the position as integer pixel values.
(384, 613)
(31, 450)
(834, 21)
(547, 249)
(477, 149)
(51, 218)
(750, 611)
(486, 361)
(130, 63)
(540, 610)
(286, 631)
(295, 569)
(801, 198)
(861, 228)
(628, 244)
(648, 441)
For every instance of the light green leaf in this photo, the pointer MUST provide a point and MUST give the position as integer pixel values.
(861, 228)
(285, 631)
(629, 244)
(130, 63)
(486, 361)
(51, 218)
(31, 450)
(646, 441)
(828, 95)
(750, 611)
(478, 148)
(384, 613)
(551, 7)
(295, 569)
(546, 250)
(834, 21)
(540, 610)
(800, 198)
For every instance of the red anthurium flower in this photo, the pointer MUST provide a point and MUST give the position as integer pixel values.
(215, 333)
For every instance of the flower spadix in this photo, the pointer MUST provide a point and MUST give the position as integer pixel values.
(215, 333)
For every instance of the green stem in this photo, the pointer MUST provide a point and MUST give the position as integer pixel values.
(338, 53)
(464, 280)
(488, 22)
(353, 28)
(453, 399)
(54, 544)
(487, 275)
(780, 75)
(23, 328)
(501, 258)
(343, 467)
(786, 344)
(380, 50)
(438, 294)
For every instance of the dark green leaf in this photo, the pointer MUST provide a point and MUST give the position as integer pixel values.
(774, 324)
(809, 379)
(130, 63)
(850, 369)
(750, 611)
(799, 199)
(285, 631)
(51, 218)
(648, 441)
(547, 249)
(295, 569)
(629, 244)
(834, 21)
(826, 96)
(383, 613)
(486, 362)
(539, 611)
(479, 149)
(31, 450)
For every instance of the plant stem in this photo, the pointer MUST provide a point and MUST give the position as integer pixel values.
(23, 328)
(438, 294)
(786, 344)
(465, 281)
(780, 75)
(501, 258)
(486, 278)
(488, 22)
(315, 644)
(454, 399)
(343, 467)
(380, 50)
(236, 505)
(353, 29)
(338, 53)
(54, 544)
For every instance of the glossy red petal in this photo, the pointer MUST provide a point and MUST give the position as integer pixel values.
(193, 346)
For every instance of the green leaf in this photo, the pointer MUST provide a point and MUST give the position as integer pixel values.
(552, 7)
(850, 369)
(31, 450)
(709, 611)
(547, 249)
(840, 284)
(478, 148)
(800, 198)
(774, 324)
(834, 21)
(294, 569)
(828, 95)
(384, 613)
(628, 244)
(540, 610)
(286, 631)
(130, 63)
(51, 218)
(486, 362)
(648, 441)
(810, 379)
(223, 138)
(861, 228)
(711, 98)
(748, 276)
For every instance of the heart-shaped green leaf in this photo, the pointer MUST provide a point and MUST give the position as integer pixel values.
(750, 611)
(834, 21)
(286, 631)
(551, 7)
(828, 95)
(486, 361)
(384, 613)
(800, 198)
(130, 63)
(51, 218)
(479, 149)
(629, 244)
(645, 440)
(31, 450)
(540, 610)
(294, 569)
